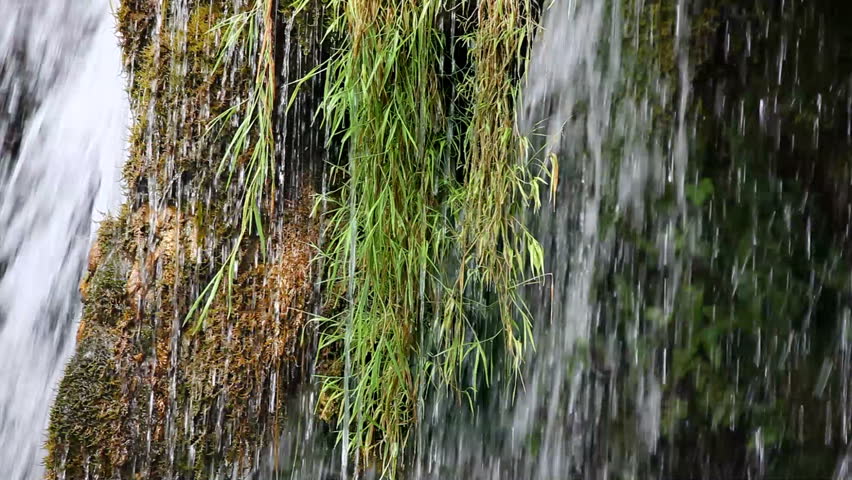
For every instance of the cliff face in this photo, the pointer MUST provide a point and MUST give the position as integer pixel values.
(149, 395)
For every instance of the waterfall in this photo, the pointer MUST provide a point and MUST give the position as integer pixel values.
(62, 127)
(694, 316)
(595, 116)
(687, 316)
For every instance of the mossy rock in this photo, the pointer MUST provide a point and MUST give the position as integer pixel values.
(85, 435)
(146, 396)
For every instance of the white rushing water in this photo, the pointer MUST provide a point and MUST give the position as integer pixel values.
(62, 127)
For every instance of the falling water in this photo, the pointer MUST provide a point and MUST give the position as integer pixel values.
(598, 120)
(687, 322)
(62, 127)
(575, 110)
(694, 322)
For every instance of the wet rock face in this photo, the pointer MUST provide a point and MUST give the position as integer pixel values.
(147, 394)
(770, 96)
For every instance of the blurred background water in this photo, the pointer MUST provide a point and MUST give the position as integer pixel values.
(63, 121)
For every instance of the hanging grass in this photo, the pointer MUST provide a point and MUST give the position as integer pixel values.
(400, 213)
(497, 252)
(382, 100)
(252, 145)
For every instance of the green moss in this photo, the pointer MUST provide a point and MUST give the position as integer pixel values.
(306, 21)
(105, 288)
(85, 436)
(135, 19)
(650, 36)
(175, 74)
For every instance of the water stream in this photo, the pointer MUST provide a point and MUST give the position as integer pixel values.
(694, 322)
(62, 128)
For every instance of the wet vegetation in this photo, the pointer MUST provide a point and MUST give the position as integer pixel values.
(381, 197)
(425, 240)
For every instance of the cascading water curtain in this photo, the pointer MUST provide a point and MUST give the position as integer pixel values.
(62, 137)
(557, 239)
(695, 141)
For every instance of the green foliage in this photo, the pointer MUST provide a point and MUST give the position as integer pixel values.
(757, 284)
(416, 258)
(495, 246)
(750, 288)
(382, 100)
(84, 436)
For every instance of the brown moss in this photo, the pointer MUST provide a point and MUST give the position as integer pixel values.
(134, 309)
(251, 347)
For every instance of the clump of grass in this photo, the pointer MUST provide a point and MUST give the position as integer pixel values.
(399, 213)
(382, 99)
(497, 252)
(252, 145)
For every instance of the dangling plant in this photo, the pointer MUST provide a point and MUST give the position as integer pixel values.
(399, 213)
(498, 253)
(253, 138)
(382, 100)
